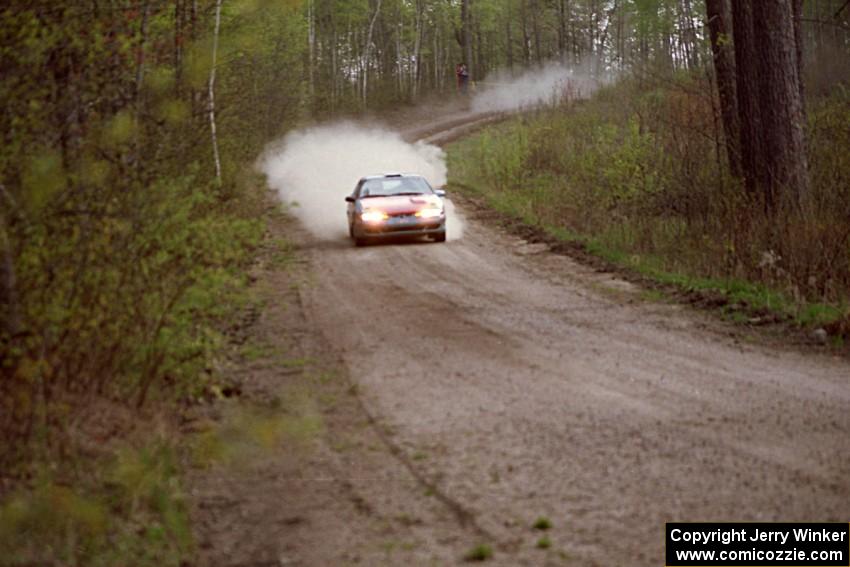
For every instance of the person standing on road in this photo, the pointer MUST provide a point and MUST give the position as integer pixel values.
(462, 74)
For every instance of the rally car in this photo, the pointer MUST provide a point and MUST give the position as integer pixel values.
(395, 205)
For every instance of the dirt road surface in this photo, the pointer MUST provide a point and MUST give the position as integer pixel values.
(494, 382)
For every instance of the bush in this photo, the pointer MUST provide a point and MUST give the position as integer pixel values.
(130, 511)
(639, 170)
(122, 255)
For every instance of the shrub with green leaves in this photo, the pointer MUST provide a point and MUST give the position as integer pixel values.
(130, 511)
(638, 173)
(122, 254)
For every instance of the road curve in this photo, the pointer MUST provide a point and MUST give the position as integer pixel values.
(519, 384)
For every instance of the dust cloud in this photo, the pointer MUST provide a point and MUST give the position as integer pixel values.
(314, 169)
(550, 84)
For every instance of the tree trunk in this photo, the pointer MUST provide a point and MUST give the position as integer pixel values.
(603, 38)
(746, 84)
(437, 84)
(335, 87)
(311, 48)
(690, 35)
(535, 26)
(526, 40)
(798, 44)
(417, 51)
(724, 69)
(576, 43)
(562, 30)
(780, 101)
(510, 43)
(399, 63)
(367, 51)
(178, 43)
(216, 156)
(466, 33)
(480, 63)
(9, 309)
(140, 53)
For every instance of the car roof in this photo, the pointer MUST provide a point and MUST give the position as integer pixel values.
(389, 175)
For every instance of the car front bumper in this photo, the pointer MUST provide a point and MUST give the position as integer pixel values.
(399, 226)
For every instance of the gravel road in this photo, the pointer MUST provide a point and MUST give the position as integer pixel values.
(489, 382)
(523, 384)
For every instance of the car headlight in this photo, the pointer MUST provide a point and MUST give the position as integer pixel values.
(374, 216)
(429, 213)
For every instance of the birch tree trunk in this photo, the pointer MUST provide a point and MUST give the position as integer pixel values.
(216, 156)
(367, 51)
(562, 30)
(399, 59)
(334, 71)
(437, 58)
(311, 40)
(603, 38)
(417, 47)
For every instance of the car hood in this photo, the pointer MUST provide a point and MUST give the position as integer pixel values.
(401, 204)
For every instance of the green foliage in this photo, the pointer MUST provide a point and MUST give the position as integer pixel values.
(637, 175)
(544, 543)
(130, 511)
(248, 433)
(542, 523)
(481, 552)
(127, 255)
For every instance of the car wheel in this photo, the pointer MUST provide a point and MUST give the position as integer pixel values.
(440, 237)
(360, 241)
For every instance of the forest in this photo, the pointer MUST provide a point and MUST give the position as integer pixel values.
(717, 147)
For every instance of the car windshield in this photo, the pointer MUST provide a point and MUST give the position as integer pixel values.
(389, 186)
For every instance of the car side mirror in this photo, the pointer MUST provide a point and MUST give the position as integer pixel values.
(440, 192)
(349, 199)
